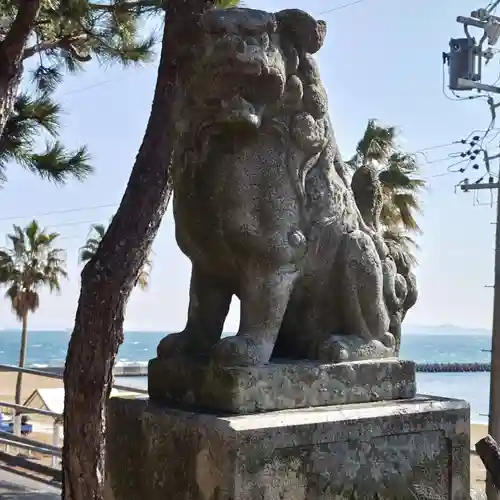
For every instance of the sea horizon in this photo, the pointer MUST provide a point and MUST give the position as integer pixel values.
(424, 344)
(410, 329)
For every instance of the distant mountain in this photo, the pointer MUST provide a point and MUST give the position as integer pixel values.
(443, 330)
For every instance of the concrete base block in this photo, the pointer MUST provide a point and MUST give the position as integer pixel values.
(279, 385)
(391, 450)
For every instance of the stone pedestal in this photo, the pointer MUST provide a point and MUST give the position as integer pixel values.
(388, 450)
(279, 385)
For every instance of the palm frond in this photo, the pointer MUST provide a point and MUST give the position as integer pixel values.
(100, 230)
(406, 205)
(377, 143)
(143, 280)
(86, 254)
(398, 173)
(393, 178)
(89, 249)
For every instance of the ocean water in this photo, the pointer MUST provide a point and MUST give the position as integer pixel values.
(48, 348)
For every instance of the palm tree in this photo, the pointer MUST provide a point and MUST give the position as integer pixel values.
(398, 175)
(29, 263)
(88, 251)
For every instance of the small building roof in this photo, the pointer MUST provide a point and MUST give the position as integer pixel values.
(53, 399)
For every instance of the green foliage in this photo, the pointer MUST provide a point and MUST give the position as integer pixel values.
(66, 35)
(32, 117)
(29, 263)
(227, 4)
(69, 33)
(87, 252)
(398, 173)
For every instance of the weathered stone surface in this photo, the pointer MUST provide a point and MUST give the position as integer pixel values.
(264, 210)
(279, 386)
(400, 450)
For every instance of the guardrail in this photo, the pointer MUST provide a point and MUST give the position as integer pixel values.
(58, 376)
(31, 445)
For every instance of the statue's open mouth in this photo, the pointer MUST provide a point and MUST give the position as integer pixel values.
(240, 112)
(238, 99)
(264, 87)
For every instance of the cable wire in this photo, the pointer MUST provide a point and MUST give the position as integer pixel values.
(64, 211)
(340, 7)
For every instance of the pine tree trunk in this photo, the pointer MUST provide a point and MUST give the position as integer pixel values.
(11, 56)
(22, 362)
(109, 277)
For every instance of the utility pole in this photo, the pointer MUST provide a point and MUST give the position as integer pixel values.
(465, 64)
(494, 406)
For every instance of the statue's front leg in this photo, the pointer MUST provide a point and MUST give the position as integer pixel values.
(264, 295)
(209, 301)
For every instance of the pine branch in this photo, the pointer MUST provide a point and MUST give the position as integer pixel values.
(46, 79)
(123, 51)
(61, 43)
(58, 165)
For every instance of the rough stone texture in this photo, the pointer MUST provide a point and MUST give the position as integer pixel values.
(263, 208)
(400, 287)
(280, 386)
(400, 450)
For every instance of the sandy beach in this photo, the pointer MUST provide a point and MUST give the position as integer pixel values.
(31, 383)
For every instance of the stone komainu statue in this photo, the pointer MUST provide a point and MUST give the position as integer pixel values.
(264, 211)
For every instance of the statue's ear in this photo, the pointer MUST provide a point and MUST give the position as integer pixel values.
(306, 33)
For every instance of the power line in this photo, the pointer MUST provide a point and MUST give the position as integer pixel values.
(115, 205)
(334, 9)
(72, 223)
(88, 87)
(64, 211)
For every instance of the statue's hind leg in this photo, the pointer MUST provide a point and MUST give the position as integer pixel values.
(366, 321)
(264, 295)
(209, 302)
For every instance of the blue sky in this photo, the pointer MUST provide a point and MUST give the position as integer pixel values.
(381, 59)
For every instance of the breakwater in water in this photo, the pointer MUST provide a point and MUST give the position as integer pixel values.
(141, 369)
(453, 367)
(134, 370)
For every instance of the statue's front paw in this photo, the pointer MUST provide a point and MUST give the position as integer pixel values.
(333, 351)
(172, 346)
(239, 351)
(388, 340)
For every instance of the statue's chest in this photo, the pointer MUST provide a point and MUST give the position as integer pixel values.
(248, 196)
(254, 176)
